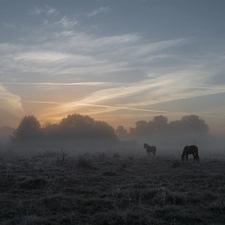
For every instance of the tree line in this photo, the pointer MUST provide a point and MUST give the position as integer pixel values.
(72, 127)
(160, 125)
(76, 126)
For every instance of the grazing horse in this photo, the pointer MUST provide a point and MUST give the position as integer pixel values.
(150, 149)
(192, 149)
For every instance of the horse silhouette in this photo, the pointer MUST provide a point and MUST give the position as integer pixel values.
(150, 149)
(188, 150)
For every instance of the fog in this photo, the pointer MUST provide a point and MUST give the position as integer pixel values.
(80, 134)
(168, 146)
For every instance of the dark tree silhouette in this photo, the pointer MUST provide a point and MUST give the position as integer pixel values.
(50, 131)
(76, 126)
(76, 121)
(175, 126)
(29, 129)
(121, 132)
(194, 123)
(73, 127)
(160, 123)
(141, 127)
(104, 130)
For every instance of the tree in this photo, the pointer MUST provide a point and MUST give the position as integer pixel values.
(28, 129)
(160, 123)
(141, 127)
(194, 123)
(76, 120)
(50, 131)
(121, 132)
(76, 125)
(175, 126)
(81, 126)
(104, 130)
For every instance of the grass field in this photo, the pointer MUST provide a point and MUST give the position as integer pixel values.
(57, 187)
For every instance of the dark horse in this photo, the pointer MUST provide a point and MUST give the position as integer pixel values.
(192, 149)
(150, 149)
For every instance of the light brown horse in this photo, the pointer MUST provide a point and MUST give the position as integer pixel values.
(192, 149)
(150, 149)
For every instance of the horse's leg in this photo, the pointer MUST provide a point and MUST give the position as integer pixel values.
(194, 157)
(197, 158)
(187, 157)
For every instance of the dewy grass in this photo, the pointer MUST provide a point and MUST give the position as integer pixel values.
(84, 161)
(102, 189)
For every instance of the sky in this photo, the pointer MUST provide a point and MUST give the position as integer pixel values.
(120, 61)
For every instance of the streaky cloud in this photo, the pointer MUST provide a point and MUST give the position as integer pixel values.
(43, 102)
(46, 10)
(66, 23)
(43, 56)
(158, 88)
(9, 25)
(99, 10)
(58, 84)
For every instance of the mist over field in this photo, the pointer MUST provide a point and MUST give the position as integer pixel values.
(116, 184)
(83, 171)
(80, 134)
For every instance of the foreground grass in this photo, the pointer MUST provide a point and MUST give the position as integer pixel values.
(53, 188)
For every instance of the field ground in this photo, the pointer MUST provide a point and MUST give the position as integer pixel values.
(58, 188)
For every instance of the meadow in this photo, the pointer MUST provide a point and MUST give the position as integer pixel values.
(56, 187)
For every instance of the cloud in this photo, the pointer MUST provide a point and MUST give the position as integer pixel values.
(6, 48)
(10, 102)
(58, 84)
(95, 58)
(153, 91)
(127, 91)
(99, 10)
(9, 25)
(66, 23)
(155, 71)
(46, 10)
(43, 102)
(42, 56)
(87, 57)
(79, 53)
